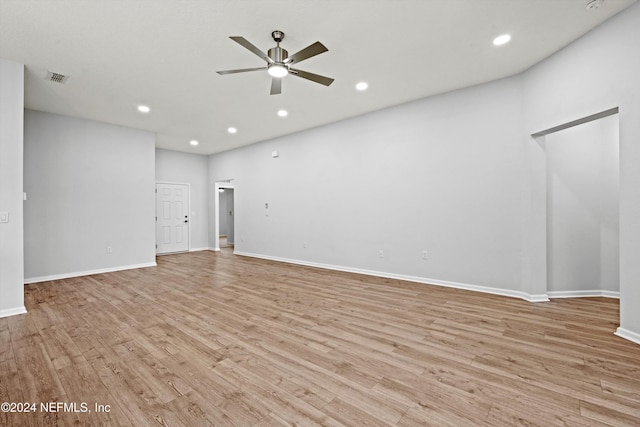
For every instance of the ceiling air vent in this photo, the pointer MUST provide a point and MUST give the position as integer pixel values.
(56, 77)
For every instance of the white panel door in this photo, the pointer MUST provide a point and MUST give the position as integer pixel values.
(172, 218)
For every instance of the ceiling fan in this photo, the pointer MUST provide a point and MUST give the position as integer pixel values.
(279, 62)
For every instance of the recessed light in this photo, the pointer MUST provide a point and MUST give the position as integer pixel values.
(232, 130)
(503, 39)
(144, 108)
(283, 113)
(362, 86)
(193, 142)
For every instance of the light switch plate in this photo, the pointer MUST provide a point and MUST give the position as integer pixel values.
(4, 216)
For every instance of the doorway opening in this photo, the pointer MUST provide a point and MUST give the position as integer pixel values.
(226, 224)
(224, 215)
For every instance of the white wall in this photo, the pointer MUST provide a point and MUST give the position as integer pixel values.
(11, 160)
(185, 168)
(596, 73)
(90, 185)
(583, 208)
(441, 174)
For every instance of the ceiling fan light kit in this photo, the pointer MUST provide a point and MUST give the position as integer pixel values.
(276, 70)
(279, 62)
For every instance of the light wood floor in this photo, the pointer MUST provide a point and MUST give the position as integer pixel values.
(216, 339)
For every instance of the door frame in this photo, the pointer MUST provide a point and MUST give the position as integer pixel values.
(188, 210)
(216, 214)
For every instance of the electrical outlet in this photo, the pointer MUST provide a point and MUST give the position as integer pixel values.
(380, 253)
(109, 250)
(304, 244)
(425, 254)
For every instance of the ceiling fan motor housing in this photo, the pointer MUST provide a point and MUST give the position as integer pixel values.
(278, 54)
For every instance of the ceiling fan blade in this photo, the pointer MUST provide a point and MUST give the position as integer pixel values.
(240, 70)
(276, 86)
(248, 45)
(306, 53)
(313, 77)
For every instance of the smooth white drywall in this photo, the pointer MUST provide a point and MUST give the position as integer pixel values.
(11, 160)
(192, 169)
(596, 73)
(441, 175)
(91, 185)
(583, 207)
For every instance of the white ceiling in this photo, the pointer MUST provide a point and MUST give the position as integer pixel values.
(165, 53)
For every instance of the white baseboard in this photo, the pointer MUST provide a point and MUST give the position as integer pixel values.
(199, 249)
(628, 335)
(87, 273)
(12, 311)
(583, 294)
(427, 281)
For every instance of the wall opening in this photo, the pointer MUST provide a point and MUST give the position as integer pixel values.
(226, 215)
(575, 200)
(583, 209)
(218, 198)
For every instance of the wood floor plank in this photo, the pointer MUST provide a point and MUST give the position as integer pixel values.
(351, 415)
(215, 339)
(608, 415)
(10, 388)
(6, 350)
